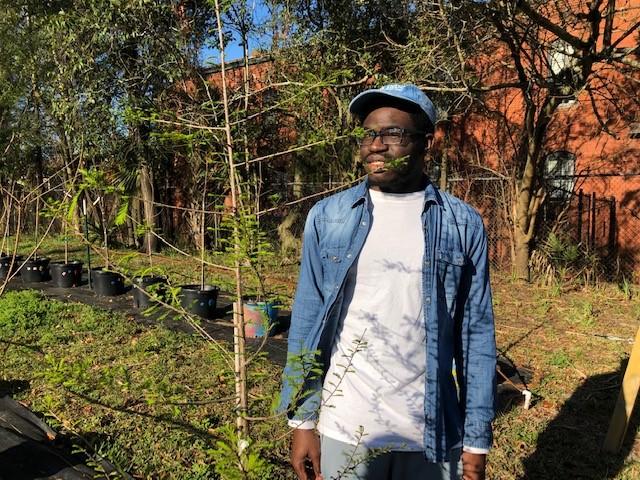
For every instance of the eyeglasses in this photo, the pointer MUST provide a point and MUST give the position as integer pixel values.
(388, 136)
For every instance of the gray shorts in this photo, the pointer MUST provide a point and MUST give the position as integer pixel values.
(341, 461)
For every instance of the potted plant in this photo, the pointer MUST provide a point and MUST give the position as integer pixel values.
(201, 299)
(35, 268)
(149, 284)
(64, 273)
(260, 317)
(9, 265)
(105, 282)
(261, 310)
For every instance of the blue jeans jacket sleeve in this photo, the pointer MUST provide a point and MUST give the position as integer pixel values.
(477, 376)
(302, 382)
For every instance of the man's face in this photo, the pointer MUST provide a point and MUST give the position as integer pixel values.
(394, 168)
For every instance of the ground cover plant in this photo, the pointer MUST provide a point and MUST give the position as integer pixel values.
(156, 402)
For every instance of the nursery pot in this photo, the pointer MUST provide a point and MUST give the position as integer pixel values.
(66, 275)
(5, 264)
(106, 283)
(259, 318)
(35, 269)
(201, 302)
(140, 284)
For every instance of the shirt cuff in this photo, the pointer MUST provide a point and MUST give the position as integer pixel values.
(477, 451)
(302, 424)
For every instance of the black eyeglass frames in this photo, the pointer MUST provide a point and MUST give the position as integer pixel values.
(388, 136)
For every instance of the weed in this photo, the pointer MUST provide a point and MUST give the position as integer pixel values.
(237, 459)
(543, 308)
(626, 288)
(559, 260)
(527, 433)
(584, 315)
(559, 359)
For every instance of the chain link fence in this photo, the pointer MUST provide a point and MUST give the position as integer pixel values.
(585, 225)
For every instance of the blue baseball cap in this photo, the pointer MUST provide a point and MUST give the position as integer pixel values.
(407, 92)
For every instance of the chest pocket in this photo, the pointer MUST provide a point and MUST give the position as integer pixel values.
(332, 261)
(450, 268)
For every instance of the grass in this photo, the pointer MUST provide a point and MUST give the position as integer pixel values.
(136, 393)
(153, 401)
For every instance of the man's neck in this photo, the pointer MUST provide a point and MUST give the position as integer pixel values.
(416, 186)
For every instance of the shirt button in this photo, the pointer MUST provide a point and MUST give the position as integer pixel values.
(364, 224)
(348, 255)
(427, 300)
(337, 287)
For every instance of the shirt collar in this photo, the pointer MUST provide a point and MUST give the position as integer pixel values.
(431, 194)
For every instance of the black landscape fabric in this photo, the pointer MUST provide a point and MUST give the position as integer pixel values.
(30, 449)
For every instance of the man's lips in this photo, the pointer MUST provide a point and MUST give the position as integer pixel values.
(376, 167)
(376, 164)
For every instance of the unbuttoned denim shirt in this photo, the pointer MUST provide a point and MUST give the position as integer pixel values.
(457, 308)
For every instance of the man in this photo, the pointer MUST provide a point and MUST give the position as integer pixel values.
(391, 347)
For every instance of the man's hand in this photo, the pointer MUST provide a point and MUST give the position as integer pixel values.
(305, 454)
(473, 466)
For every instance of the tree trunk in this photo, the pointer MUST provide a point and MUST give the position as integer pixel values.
(134, 209)
(522, 251)
(146, 190)
(444, 170)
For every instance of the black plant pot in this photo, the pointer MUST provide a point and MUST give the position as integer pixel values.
(35, 270)
(201, 302)
(106, 283)
(66, 275)
(5, 264)
(140, 284)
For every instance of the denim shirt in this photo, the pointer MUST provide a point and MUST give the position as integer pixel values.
(458, 314)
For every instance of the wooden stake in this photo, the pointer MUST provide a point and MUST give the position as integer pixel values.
(238, 316)
(626, 401)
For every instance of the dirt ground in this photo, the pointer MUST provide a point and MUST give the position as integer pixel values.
(576, 342)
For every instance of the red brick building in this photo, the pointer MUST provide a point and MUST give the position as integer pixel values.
(591, 155)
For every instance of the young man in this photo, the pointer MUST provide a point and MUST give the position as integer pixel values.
(391, 348)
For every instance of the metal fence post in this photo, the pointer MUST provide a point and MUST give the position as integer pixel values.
(612, 227)
(580, 208)
(593, 220)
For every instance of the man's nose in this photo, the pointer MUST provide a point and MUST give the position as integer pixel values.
(377, 144)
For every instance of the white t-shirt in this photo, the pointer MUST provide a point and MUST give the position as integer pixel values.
(375, 396)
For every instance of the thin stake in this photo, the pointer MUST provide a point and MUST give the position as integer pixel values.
(238, 317)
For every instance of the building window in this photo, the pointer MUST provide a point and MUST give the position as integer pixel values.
(562, 74)
(559, 174)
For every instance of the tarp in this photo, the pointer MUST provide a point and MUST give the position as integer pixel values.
(30, 450)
